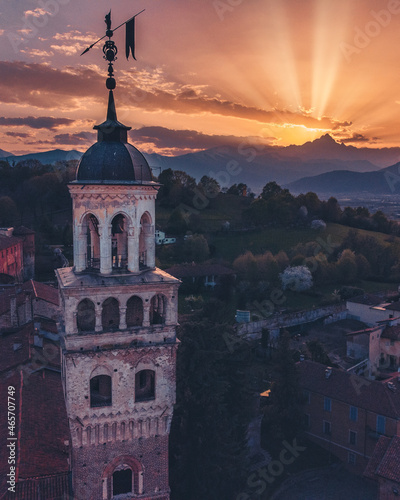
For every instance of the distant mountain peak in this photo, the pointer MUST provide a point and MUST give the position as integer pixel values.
(326, 138)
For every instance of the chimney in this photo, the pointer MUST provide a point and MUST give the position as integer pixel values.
(13, 311)
(328, 372)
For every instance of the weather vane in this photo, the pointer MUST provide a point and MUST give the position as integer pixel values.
(110, 49)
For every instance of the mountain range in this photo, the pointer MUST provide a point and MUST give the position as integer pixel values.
(322, 165)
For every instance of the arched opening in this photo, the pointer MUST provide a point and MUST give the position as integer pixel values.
(144, 236)
(122, 481)
(86, 317)
(122, 476)
(91, 228)
(145, 385)
(119, 242)
(158, 309)
(110, 314)
(100, 391)
(134, 312)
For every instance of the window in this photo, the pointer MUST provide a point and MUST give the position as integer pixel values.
(134, 312)
(307, 396)
(327, 428)
(100, 391)
(110, 314)
(158, 310)
(353, 413)
(85, 316)
(353, 437)
(122, 482)
(380, 424)
(327, 404)
(351, 458)
(145, 385)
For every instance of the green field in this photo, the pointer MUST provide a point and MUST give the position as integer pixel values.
(232, 244)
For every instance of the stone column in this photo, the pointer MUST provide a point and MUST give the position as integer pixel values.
(150, 244)
(105, 250)
(146, 313)
(74, 322)
(133, 250)
(80, 248)
(98, 324)
(122, 318)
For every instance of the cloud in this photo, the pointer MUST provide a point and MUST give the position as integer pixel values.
(68, 50)
(39, 85)
(21, 135)
(46, 122)
(356, 137)
(42, 86)
(37, 53)
(165, 138)
(79, 138)
(38, 12)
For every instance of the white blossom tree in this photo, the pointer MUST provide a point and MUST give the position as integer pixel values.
(297, 278)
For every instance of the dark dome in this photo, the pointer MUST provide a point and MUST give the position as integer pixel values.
(112, 158)
(113, 161)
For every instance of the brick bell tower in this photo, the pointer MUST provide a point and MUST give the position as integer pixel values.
(119, 330)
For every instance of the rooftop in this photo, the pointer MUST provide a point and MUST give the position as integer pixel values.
(41, 418)
(351, 389)
(385, 460)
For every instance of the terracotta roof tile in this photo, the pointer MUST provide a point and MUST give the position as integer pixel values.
(385, 460)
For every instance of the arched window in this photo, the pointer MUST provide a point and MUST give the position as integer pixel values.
(100, 391)
(110, 314)
(134, 312)
(145, 385)
(158, 309)
(119, 242)
(86, 317)
(144, 237)
(122, 481)
(91, 226)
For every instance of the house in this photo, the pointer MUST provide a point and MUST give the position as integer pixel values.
(11, 254)
(30, 380)
(161, 238)
(20, 304)
(372, 308)
(384, 467)
(346, 414)
(28, 250)
(380, 345)
(207, 275)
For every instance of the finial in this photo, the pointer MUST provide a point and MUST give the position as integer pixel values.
(110, 52)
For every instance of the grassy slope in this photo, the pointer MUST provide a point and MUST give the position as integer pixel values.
(230, 245)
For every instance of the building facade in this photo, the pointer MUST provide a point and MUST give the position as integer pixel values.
(347, 414)
(119, 330)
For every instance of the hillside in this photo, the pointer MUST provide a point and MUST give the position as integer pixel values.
(384, 181)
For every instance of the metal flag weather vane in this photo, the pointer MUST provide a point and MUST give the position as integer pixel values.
(110, 50)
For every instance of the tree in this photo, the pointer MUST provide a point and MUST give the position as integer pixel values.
(176, 223)
(283, 416)
(297, 278)
(347, 267)
(270, 190)
(209, 186)
(195, 248)
(8, 211)
(238, 189)
(208, 432)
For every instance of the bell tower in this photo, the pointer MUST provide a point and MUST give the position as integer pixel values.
(119, 329)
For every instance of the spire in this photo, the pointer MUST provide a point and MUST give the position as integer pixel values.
(111, 111)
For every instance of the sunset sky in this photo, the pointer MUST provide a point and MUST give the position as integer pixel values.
(207, 73)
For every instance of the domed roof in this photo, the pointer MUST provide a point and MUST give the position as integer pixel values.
(112, 159)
